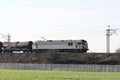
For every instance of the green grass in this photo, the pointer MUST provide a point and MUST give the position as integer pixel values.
(56, 75)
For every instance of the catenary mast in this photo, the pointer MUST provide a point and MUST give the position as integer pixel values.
(109, 32)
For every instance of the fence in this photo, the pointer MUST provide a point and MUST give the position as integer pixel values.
(63, 67)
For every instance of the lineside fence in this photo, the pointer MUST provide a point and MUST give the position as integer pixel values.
(61, 67)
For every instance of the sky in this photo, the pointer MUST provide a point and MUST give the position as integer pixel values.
(27, 20)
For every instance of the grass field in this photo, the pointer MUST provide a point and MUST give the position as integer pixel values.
(56, 75)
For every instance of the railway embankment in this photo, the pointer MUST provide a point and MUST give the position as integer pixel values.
(61, 58)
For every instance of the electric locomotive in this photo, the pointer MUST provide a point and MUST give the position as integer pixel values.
(39, 46)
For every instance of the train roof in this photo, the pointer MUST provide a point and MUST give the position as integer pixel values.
(59, 40)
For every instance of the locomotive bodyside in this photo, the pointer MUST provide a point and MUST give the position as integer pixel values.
(61, 45)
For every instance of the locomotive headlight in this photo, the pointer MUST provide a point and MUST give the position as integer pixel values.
(85, 46)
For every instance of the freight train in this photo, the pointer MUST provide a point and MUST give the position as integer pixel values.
(39, 46)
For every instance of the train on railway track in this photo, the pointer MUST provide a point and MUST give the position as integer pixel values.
(40, 46)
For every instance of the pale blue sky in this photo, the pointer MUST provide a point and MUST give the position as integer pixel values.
(61, 19)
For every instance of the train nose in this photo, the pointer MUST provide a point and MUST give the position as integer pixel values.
(85, 47)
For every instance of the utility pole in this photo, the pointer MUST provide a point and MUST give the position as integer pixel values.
(108, 39)
(109, 32)
(7, 37)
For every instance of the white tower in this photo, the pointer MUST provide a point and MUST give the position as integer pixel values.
(109, 32)
(108, 39)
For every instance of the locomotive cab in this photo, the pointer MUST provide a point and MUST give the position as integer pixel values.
(84, 46)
